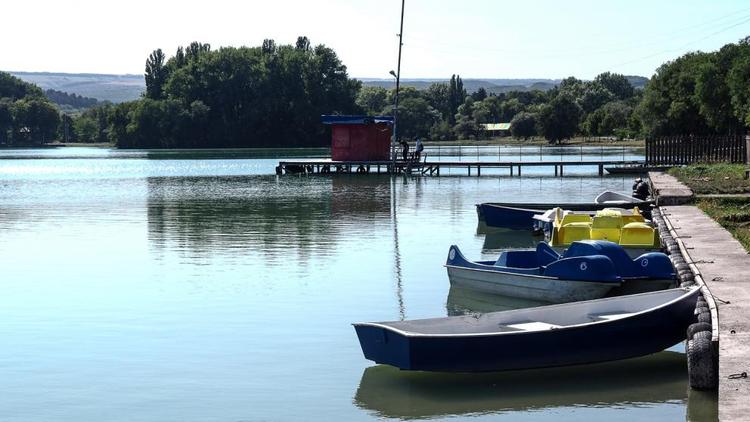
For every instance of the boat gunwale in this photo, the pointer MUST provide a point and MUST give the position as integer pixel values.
(545, 277)
(687, 292)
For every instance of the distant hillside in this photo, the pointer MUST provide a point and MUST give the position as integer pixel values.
(494, 86)
(119, 88)
(113, 88)
(73, 101)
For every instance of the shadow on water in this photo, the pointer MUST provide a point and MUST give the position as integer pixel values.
(703, 406)
(654, 379)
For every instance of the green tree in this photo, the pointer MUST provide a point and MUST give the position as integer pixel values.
(36, 118)
(239, 97)
(372, 99)
(156, 75)
(617, 84)
(609, 118)
(670, 106)
(738, 82)
(86, 129)
(560, 118)
(6, 119)
(456, 95)
(441, 131)
(523, 125)
(438, 95)
(594, 96)
(510, 108)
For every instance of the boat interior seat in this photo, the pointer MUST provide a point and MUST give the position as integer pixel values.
(506, 329)
(609, 316)
(637, 234)
(534, 326)
(634, 218)
(570, 218)
(572, 232)
(606, 227)
(545, 255)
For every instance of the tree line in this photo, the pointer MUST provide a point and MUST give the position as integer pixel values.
(73, 100)
(273, 95)
(26, 115)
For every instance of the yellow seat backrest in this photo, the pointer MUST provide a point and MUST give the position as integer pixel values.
(574, 218)
(606, 227)
(571, 232)
(638, 234)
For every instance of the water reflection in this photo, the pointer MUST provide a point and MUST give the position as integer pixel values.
(497, 238)
(463, 301)
(263, 214)
(390, 392)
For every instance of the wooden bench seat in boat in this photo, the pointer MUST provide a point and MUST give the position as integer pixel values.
(609, 317)
(534, 326)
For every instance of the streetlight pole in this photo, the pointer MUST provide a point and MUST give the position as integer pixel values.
(398, 80)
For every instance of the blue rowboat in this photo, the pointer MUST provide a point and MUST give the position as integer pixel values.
(520, 216)
(587, 270)
(556, 335)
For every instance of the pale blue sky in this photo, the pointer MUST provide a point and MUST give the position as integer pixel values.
(474, 38)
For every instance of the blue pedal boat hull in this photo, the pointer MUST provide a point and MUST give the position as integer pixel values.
(470, 344)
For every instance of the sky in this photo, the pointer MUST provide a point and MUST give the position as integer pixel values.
(473, 38)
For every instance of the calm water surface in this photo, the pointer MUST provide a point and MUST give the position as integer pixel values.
(198, 286)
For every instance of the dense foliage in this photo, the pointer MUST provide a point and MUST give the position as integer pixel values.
(700, 93)
(236, 97)
(65, 99)
(271, 95)
(26, 116)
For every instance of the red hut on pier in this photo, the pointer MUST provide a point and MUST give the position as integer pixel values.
(360, 138)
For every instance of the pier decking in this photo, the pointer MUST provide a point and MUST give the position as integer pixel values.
(724, 266)
(433, 168)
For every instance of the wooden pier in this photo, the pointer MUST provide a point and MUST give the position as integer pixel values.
(724, 266)
(433, 168)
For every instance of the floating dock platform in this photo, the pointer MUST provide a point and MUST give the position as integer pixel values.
(433, 168)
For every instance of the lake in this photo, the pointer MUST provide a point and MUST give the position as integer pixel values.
(199, 286)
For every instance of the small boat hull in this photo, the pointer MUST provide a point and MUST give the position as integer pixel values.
(536, 288)
(521, 216)
(466, 345)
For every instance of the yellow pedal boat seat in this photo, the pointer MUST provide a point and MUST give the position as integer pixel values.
(574, 231)
(638, 234)
(606, 225)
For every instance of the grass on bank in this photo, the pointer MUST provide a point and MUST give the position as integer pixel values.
(732, 213)
(713, 178)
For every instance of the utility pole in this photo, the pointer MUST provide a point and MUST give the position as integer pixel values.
(398, 80)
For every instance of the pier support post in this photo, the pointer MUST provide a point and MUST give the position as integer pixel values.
(479, 170)
(555, 170)
(601, 170)
(511, 170)
(519, 169)
(561, 170)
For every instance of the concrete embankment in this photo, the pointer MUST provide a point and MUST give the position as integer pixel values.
(724, 266)
(668, 190)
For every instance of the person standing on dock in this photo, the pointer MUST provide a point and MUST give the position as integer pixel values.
(405, 149)
(418, 149)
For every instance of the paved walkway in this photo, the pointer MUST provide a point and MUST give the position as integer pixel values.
(668, 190)
(725, 267)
